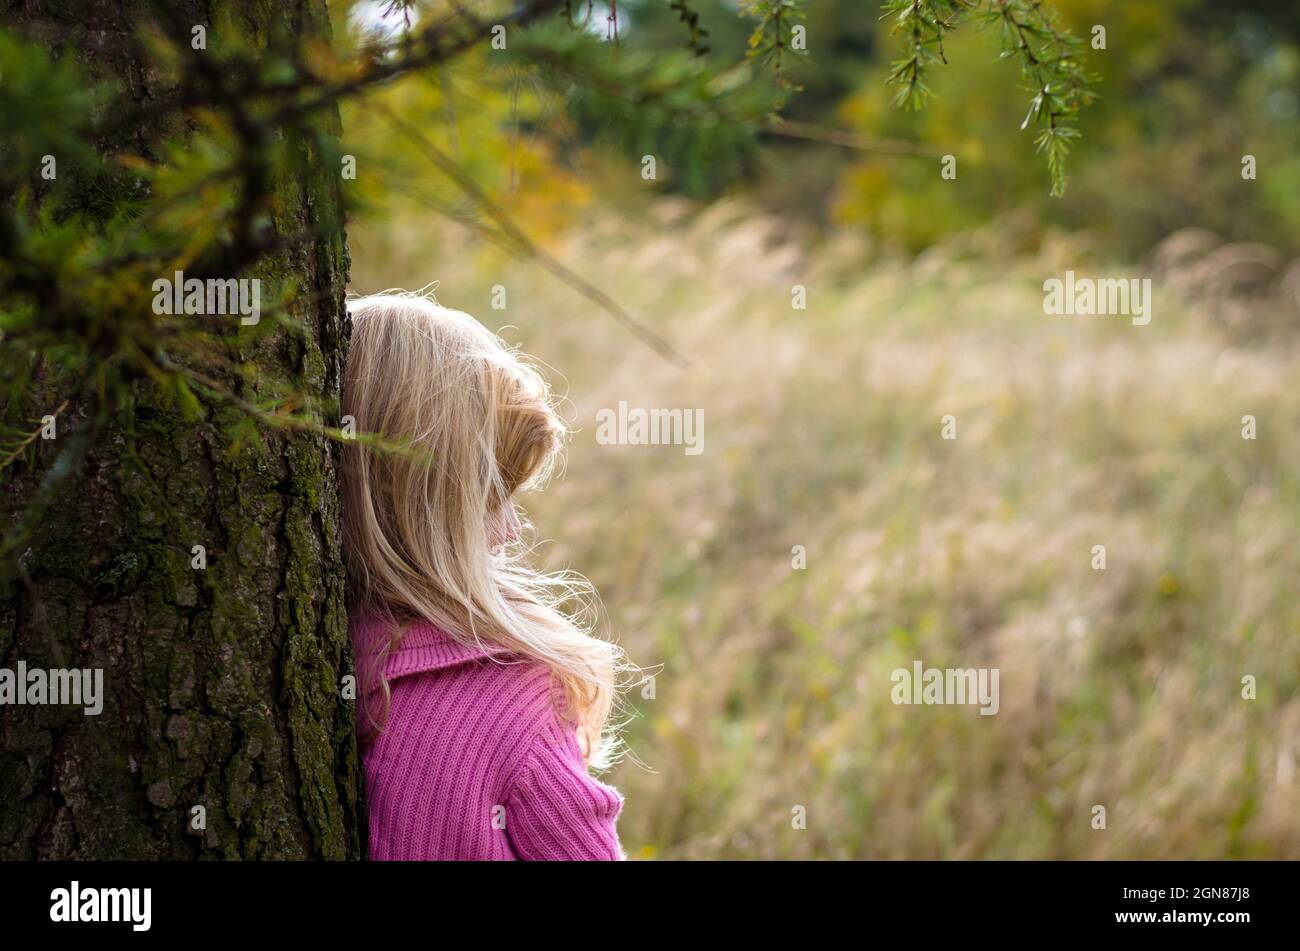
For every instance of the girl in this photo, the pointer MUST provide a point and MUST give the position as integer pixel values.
(483, 701)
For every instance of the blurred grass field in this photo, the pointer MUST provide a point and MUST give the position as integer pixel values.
(1120, 688)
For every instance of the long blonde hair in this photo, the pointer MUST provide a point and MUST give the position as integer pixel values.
(466, 423)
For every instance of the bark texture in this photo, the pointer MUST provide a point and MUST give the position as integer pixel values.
(222, 685)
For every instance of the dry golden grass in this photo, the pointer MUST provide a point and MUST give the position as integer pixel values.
(822, 429)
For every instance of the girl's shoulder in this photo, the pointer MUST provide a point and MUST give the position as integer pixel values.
(477, 689)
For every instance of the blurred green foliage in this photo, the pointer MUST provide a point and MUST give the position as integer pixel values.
(1187, 87)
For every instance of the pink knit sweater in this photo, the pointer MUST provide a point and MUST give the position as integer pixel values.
(474, 762)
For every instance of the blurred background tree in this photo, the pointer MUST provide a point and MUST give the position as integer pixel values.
(1186, 88)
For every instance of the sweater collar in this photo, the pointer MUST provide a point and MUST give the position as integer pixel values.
(423, 647)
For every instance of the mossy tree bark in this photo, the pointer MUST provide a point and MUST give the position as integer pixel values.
(222, 685)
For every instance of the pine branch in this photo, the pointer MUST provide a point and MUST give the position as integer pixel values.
(530, 248)
(1050, 58)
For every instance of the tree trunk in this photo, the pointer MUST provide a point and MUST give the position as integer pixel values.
(221, 684)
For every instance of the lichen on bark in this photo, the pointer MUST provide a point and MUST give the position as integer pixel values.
(223, 683)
